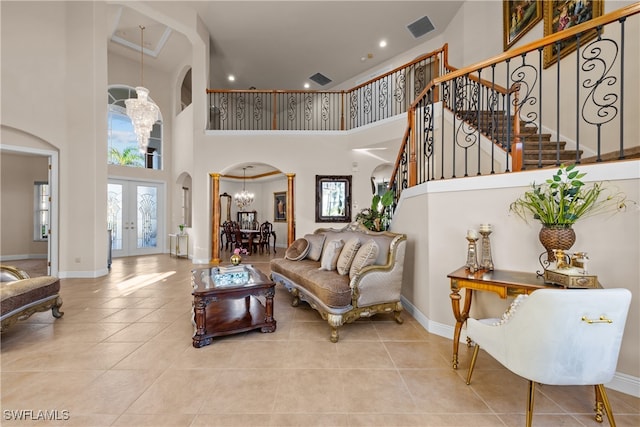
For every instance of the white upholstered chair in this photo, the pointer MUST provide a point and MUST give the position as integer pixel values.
(558, 337)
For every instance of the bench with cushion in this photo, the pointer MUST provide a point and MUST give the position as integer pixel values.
(21, 296)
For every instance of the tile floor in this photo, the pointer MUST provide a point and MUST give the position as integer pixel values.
(122, 356)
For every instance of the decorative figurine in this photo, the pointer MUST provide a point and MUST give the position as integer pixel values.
(487, 261)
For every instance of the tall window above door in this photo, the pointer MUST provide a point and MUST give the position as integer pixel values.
(122, 144)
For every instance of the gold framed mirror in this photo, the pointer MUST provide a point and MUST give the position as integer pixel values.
(225, 205)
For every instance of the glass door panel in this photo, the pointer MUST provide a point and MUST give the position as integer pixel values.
(147, 217)
(134, 217)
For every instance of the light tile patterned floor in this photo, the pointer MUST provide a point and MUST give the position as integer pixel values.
(122, 356)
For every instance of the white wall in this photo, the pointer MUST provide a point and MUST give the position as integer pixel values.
(51, 93)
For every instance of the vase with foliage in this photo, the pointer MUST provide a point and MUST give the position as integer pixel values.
(378, 216)
(561, 201)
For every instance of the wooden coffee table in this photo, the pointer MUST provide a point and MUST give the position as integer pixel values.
(225, 302)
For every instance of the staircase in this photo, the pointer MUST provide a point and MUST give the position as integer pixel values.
(538, 149)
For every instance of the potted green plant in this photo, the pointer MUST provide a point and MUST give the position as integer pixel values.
(377, 217)
(561, 201)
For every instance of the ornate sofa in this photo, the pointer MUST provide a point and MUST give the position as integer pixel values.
(341, 279)
(21, 296)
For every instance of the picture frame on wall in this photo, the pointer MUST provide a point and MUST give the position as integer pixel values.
(280, 206)
(519, 17)
(333, 198)
(562, 14)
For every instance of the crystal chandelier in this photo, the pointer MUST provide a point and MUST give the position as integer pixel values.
(243, 199)
(142, 111)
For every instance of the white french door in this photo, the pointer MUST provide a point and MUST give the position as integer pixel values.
(135, 217)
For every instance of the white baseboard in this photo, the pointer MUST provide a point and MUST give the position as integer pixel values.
(23, 256)
(623, 383)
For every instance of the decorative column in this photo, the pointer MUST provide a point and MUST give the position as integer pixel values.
(215, 218)
(291, 228)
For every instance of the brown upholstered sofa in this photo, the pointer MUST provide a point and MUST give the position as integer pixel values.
(21, 295)
(340, 289)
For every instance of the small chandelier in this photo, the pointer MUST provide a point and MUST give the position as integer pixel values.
(243, 199)
(142, 111)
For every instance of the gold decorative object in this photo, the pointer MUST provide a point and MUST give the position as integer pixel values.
(570, 271)
(236, 259)
(486, 261)
(579, 260)
(602, 319)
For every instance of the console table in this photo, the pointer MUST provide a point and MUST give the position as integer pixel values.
(174, 245)
(504, 283)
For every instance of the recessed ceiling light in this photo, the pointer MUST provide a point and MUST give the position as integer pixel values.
(231, 78)
(306, 85)
(383, 43)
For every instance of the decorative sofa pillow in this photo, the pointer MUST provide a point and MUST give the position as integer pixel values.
(365, 256)
(298, 250)
(347, 254)
(316, 241)
(330, 255)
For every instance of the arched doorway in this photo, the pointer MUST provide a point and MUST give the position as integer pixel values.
(273, 201)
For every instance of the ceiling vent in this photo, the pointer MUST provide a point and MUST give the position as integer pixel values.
(421, 27)
(320, 79)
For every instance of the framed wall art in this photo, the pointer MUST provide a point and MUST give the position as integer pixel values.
(333, 198)
(280, 206)
(519, 17)
(562, 14)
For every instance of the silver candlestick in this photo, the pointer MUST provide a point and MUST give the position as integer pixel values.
(472, 251)
(486, 262)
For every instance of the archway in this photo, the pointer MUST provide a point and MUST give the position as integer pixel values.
(271, 187)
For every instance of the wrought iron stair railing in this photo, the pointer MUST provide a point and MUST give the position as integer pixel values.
(559, 108)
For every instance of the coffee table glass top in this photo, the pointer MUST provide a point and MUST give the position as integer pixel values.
(227, 277)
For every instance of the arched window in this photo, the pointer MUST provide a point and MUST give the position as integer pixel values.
(122, 143)
(185, 91)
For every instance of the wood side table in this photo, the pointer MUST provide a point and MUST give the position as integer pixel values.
(224, 309)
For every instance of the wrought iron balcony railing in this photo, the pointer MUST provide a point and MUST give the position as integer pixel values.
(383, 97)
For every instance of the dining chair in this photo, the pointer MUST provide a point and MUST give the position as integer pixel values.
(558, 337)
(266, 229)
(230, 236)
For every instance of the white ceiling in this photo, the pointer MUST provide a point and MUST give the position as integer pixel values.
(280, 44)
